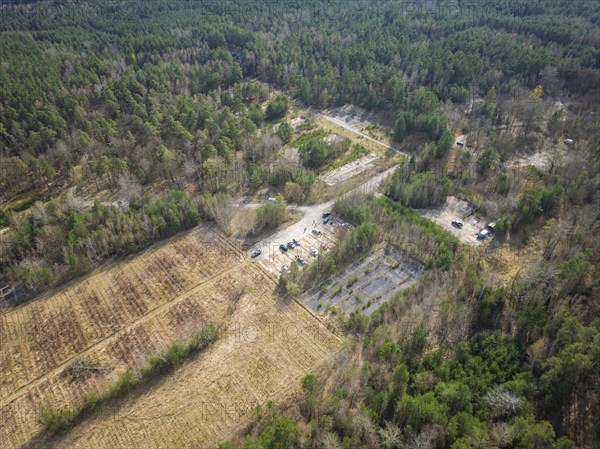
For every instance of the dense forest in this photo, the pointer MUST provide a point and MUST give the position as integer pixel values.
(173, 105)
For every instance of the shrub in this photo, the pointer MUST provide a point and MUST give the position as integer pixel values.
(285, 132)
(202, 338)
(357, 322)
(293, 192)
(351, 281)
(91, 401)
(354, 208)
(277, 108)
(538, 200)
(271, 214)
(124, 384)
(56, 420)
(419, 190)
(317, 152)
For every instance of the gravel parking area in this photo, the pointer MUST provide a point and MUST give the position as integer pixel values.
(273, 258)
(456, 210)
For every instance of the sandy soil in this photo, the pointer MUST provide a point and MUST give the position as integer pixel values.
(273, 259)
(352, 126)
(540, 160)
(265, 348)
(113, 319)
(455, 209)
(354, 116)
(117, 318)
(349, 170)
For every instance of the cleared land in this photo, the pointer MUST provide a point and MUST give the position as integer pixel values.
(347, 171)
(266, 346)
(354, 116)
(455, 209)
(119, 317)
(366, 284)
(272, 258)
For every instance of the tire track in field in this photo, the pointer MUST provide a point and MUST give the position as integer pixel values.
(112, 337)
(102, 303)
(216, 395)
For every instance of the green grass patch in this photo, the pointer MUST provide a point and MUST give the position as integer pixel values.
(56, 420)
(351, 281)
(319, 134)
(356, 152)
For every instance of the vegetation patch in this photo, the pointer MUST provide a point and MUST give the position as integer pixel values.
(56, 420)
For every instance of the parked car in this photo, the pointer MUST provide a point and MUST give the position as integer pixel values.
(324, 246)
(316, 232)
(457, 224)
(255, 253)
(285, 268)
(460, 144)
(326, 220)
(487, 231)
(291, 245)
(326, 214)
(483, 234)
(314, 252)
(283, 248)
(296, 242)
(300, 260)
(271, 199)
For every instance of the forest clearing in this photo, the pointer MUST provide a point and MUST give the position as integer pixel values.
(116, 319)
(251, 224)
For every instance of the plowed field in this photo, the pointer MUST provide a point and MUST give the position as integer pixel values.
(115, 319)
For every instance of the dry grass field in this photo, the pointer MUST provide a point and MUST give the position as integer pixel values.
(117, 318)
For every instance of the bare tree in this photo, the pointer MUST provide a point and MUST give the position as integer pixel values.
(264, 147)
(129, 186)
(501, 434)
(330, 440)
(549, 80)
(364, 427)
(555, 159)
(502, 402)
(423, 440)
(220, 209)
(390, 436)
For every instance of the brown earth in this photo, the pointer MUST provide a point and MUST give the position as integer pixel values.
(117, 318)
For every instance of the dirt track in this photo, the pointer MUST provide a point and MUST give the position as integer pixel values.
(272, 258)
(350, 127)
(266, 346)
(117, 318)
